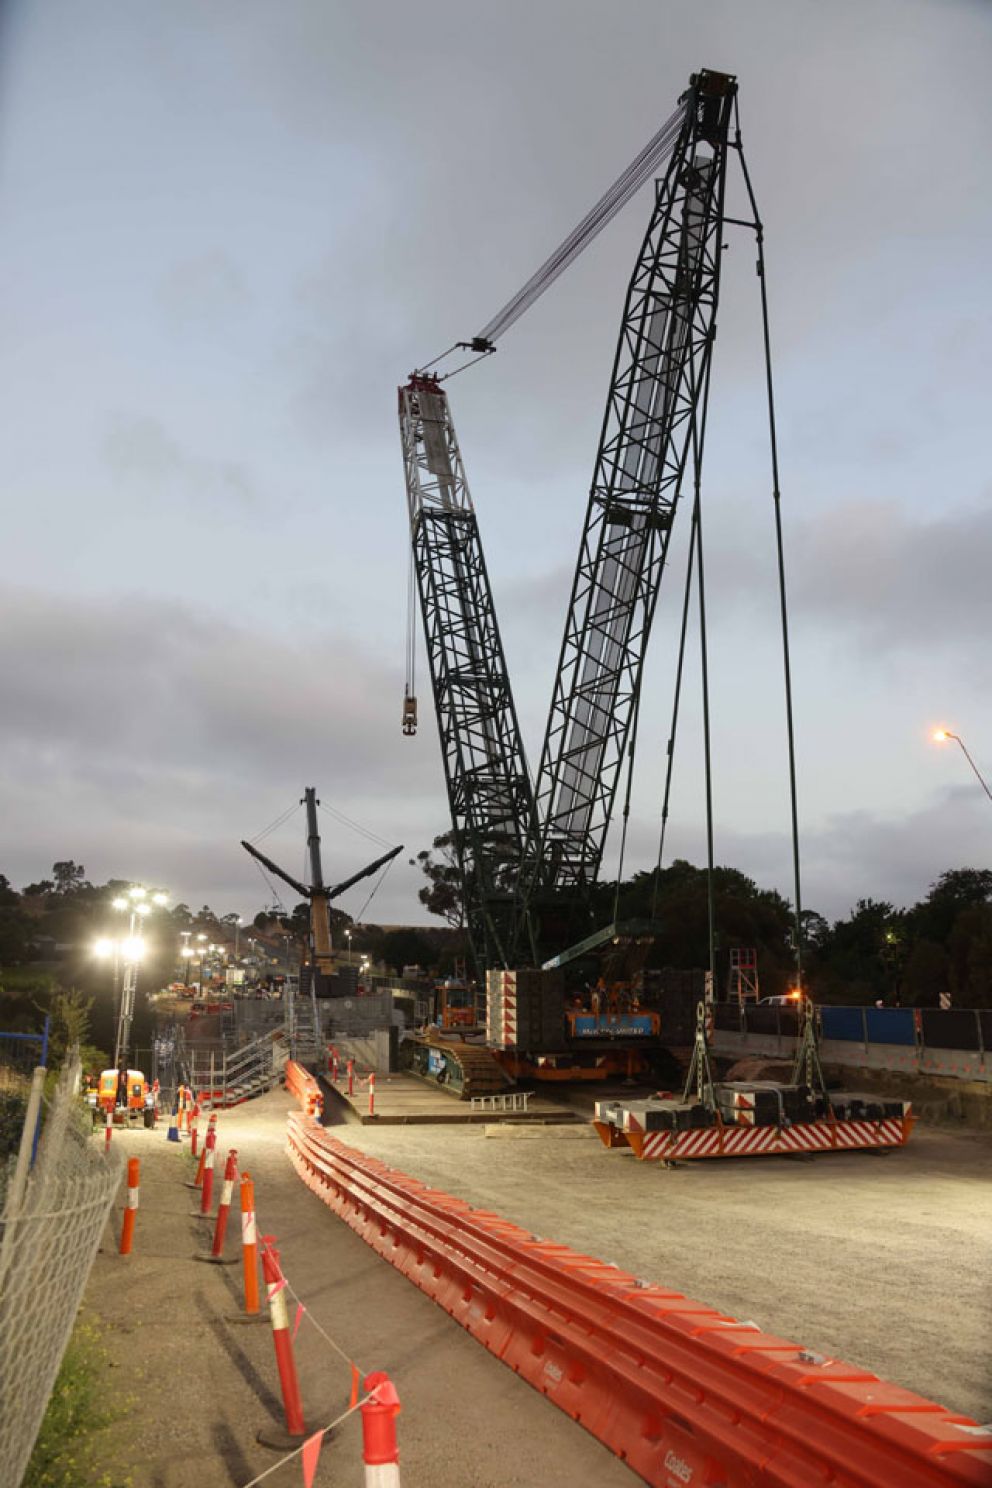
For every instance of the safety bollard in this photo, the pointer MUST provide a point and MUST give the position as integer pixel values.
(372, 1094)
(201, 1165)
(223, 1208)
(108, 1129)
(194, 1130)
(207, 1191)
(131, 1209)
(249, 1245)
(334, 1067)
(351, 1076)
(275, 1287)
(380, 1451)
(173, 1133)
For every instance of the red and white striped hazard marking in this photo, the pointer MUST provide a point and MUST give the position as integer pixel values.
(752, 1141)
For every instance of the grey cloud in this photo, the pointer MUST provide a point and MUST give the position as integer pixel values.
(140, 447)
(206, 292)
(143, 731)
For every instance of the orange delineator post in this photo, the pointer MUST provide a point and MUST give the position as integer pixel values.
(249, 1244)
(380, 1451)
(275, 1286)
(681, 1391)
(207, 1191)
(372, 1094)
(351, 1077)
(131, 1208)
(108, 1129)
(223, 1208)
(193, 1132)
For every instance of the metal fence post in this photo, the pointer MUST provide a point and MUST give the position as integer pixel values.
(981, 1041)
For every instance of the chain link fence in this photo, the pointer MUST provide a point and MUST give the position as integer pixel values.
(52, 1214)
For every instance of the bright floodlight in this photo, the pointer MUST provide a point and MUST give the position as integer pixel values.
(137, 892)
(143, 909)
(120, 903)
(201, 937)
(940, 735)
(160, 899)
(187, 951)
(103, 947)
(133, 948)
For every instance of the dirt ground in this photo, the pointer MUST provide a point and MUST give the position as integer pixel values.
(201, 1386)
(884, 1261)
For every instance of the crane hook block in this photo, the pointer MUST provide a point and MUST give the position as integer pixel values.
(409, 715)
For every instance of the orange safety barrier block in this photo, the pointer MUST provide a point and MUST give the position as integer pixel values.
(681, 1392)
(301, 1083)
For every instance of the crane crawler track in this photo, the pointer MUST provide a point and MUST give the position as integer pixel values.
(461, 1068)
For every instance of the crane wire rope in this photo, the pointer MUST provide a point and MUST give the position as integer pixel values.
(373, 891)
(779, 546)
(346, 821)
(657, 149)
(277, 823)
(676, 700)
(641, 168)
(410, 663)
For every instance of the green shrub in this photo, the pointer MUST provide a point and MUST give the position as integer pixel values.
(65, 1451)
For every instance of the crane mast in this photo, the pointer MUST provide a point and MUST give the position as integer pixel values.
(659, 373)
(519, 845)
(485, 769)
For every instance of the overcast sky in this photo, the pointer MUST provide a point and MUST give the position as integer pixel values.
(228, 231)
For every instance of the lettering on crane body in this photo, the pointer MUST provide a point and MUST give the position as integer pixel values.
(678, 1467)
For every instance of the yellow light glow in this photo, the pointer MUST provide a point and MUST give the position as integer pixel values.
(940, 736)
(120, 903)
(133, 948)
(103, 947)
(137, 892)
(143, 909)
(160, 899)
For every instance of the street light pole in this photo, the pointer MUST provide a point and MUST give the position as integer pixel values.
(942, 734)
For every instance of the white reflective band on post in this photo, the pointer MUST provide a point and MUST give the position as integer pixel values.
(225, 1193)
(248, 1229)
(208, 1161)
(382, 1475)
(277, 1306)
(132, 1198)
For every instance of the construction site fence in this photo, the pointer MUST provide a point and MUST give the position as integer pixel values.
(955, 1042)
(682, 1392)
(56, 1195)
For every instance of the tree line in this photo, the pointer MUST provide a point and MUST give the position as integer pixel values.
(909, 956)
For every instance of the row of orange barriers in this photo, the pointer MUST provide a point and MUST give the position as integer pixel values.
(681, 1392)
(301, 1083)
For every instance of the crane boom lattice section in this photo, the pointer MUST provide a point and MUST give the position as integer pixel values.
(658, 376)
(489, 789)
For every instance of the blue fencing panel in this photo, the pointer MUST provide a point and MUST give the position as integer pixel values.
(890, 1025)
(842, 1023)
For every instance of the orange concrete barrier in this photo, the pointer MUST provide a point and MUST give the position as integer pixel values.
(131, 1208)
(301, 1083)
(682, 1392)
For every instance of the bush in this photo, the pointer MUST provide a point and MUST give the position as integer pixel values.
(13, 1105)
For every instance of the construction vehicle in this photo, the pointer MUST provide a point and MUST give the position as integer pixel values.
(530, 852)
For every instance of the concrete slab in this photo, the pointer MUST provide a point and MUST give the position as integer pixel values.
(403, 1100)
